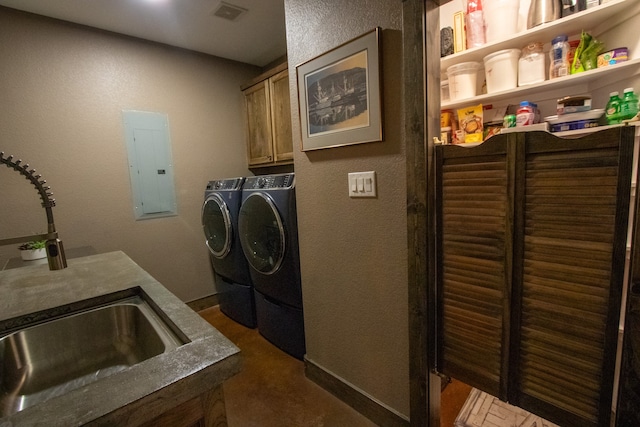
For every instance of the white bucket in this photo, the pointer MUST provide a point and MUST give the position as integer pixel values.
(462, 80)
(501, 70)
(500, 19)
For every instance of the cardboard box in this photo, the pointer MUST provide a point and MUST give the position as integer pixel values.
(459, 34)
(471, 123)
(573, 104)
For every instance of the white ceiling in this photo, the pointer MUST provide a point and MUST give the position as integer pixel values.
(257, 37)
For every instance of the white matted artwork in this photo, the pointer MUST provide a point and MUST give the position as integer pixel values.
(340, 95)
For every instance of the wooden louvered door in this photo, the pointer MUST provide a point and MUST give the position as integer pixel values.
(529, 308)
(474, 252)
(576, 204)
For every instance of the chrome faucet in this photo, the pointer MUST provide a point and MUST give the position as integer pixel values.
(54, 248)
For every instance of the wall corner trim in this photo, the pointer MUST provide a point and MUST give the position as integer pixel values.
(357, 399)
(203, 303)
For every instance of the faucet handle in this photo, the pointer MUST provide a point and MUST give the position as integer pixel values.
(55, 254)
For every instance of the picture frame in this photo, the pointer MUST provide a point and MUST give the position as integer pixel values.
(340, 95)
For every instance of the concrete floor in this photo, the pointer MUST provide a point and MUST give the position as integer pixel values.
(272, 390)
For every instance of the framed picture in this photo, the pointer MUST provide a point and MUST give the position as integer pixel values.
(339, 94)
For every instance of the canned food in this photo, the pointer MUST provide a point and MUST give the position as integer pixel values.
(445, 135)
(509, 121)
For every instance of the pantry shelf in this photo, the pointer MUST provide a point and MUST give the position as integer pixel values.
(573, 24)
(618, 72)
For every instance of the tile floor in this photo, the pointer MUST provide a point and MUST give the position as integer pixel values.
(272, 390)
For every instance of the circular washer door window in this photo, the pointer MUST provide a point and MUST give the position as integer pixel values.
(261, 233)
(216, 222)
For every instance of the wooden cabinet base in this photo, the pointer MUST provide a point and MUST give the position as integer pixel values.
(206, 410)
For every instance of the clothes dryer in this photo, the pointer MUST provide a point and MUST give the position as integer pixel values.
(222, 200)
(268, 228)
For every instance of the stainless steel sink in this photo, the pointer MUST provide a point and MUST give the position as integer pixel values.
(49, 359)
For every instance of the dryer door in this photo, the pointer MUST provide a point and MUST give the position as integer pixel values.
(261, 233)
(216, 222)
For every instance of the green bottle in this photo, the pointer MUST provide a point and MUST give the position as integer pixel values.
(629, 105)
(613, 108)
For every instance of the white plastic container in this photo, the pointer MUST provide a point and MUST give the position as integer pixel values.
(531, 65)
(500, 19)
(444, 90)
(463, 80)
(501, 70)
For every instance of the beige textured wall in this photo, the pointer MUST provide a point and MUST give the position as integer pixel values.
(62, 91)
(354, 251)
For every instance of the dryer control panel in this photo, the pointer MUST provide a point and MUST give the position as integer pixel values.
(225, 184)
(270, 182)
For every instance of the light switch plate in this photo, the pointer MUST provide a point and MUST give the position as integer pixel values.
(362, 184)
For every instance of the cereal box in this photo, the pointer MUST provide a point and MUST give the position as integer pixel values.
(470, 121)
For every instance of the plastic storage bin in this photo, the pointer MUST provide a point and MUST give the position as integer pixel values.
(501, 70)
(500, 19)
(463, 80)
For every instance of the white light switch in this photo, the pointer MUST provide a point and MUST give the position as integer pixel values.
(362, 184)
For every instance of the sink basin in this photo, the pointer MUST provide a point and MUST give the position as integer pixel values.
(49, 359)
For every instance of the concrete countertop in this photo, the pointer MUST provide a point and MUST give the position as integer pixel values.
(34, 294)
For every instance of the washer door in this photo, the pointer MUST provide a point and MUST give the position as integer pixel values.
(216, 222)
(261, 233)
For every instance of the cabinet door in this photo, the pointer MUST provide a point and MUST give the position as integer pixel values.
(531, 248)
(281, 116)
(260, 142)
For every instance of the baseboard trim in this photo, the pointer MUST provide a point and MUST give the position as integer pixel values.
(202, 303)
(375, 411)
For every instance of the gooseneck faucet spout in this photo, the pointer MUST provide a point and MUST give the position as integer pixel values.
(55, 250)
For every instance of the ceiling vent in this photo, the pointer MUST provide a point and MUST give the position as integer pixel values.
(229, 11)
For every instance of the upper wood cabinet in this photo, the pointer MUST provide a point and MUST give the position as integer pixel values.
(268, 117)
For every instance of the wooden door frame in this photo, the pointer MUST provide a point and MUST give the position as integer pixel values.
(421, 111)
(421, 88)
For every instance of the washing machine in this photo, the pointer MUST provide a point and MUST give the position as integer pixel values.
(222, 200)
(268, 231)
